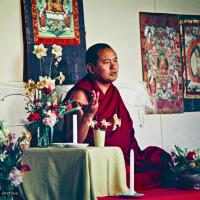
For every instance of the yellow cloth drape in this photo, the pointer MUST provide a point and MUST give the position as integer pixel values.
(73, 173)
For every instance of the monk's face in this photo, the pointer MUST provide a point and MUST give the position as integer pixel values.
(106, 69)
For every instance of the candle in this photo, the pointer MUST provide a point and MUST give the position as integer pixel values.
(36, 94)
(40, 94)
(132, 191)
(75, 129)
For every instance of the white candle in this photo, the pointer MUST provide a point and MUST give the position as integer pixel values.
(40, 94)
(75, 129)
(132, 191)
(36, 94)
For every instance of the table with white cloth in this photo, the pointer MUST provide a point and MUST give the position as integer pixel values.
(73, 173)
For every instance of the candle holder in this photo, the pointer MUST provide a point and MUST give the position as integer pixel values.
(132, 192)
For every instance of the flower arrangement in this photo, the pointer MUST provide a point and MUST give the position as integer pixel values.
(12, 147)
(184, 161)
(103, 124)
(45, 105)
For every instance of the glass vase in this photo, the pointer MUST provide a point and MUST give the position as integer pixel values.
(44, 136)
(99, 137)
(7, 190)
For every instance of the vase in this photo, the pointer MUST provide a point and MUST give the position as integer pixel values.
(44, 136)
(188, 180)
(99, 137)
(7, 190)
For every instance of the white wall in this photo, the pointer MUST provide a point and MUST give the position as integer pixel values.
(115, 22)
(11, 50)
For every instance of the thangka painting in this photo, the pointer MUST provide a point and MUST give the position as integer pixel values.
(55, 21)
(50, 22)
(161, 60)
(190, 43)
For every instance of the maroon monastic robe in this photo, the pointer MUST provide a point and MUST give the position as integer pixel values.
(152, 159)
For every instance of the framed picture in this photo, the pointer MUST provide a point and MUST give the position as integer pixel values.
(55, 22)
(50, 22)
(161, 60)
(190, 44)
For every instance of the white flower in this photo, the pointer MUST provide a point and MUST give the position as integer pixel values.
(2, 156)
(40, 51)
(105, 123)
(57, 50)
(15, 176)
(46, 82)
(48, 103)
(92, 123)
(59, 59)
(4, 136)
(51, 83)
(117, 122)
(30, 84)
(61, 77)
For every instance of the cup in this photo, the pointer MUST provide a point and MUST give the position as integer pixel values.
(99, 137)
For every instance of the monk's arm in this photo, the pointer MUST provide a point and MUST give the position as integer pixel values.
(86, 114)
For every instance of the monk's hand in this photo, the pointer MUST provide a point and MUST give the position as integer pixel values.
(93, 105)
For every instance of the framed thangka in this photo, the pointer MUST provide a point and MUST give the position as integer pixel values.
(190, 44)
(50, 22)
(161, 60)
(55, 22)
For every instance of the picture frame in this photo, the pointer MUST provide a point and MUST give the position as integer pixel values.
(72, 64)
(161, 61)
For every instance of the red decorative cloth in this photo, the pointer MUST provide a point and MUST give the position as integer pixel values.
(162, 194)
(152, 158)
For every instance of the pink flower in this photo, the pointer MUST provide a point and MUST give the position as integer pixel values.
(39, 103)
(51, 119)
(13, 141)
(15, 177)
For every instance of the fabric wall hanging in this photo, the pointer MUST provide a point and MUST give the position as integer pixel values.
(161, 59)
(59, 22)
(190, 43)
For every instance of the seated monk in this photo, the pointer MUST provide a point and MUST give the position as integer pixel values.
(100, 99)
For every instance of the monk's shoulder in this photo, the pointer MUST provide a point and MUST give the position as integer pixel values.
(116, 90)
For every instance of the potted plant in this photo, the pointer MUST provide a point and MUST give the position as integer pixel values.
(186, 167)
